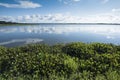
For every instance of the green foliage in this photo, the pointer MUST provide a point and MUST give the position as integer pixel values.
(80, 50)
(103, 48)
(57, 49)
(35, 48)
(73, 61)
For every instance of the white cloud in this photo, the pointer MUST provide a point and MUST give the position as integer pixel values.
(111, 17)
(105, 1)
(22, 4)
(103, 18)
(68, 1)
(116, 10)
(7, 18)
(71, 1)
(76, 0)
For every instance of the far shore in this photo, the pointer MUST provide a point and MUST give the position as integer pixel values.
(15, 23)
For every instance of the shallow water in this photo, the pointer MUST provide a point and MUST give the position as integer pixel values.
(52, 34)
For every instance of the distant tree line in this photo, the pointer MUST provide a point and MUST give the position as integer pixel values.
(4, 22)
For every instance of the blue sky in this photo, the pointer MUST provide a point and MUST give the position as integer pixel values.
(60, 11)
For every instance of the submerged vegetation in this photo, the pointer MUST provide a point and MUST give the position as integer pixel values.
(73, 61)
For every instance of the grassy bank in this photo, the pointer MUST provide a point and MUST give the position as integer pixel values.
(73, 61)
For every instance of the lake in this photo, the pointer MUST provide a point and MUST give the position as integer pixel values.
(18, 35)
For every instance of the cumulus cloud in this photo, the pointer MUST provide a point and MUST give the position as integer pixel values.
(21, 4)
(111, 17)
(42, 18)
(7, 18)
(103, 18)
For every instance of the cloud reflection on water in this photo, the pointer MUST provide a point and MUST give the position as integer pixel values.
(110, 31)
(26, 41)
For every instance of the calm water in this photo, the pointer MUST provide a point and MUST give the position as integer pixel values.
(51, 34)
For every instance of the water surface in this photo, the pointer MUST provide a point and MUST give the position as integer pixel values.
(52, 34)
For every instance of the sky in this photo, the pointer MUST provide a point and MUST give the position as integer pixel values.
(60, 11)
